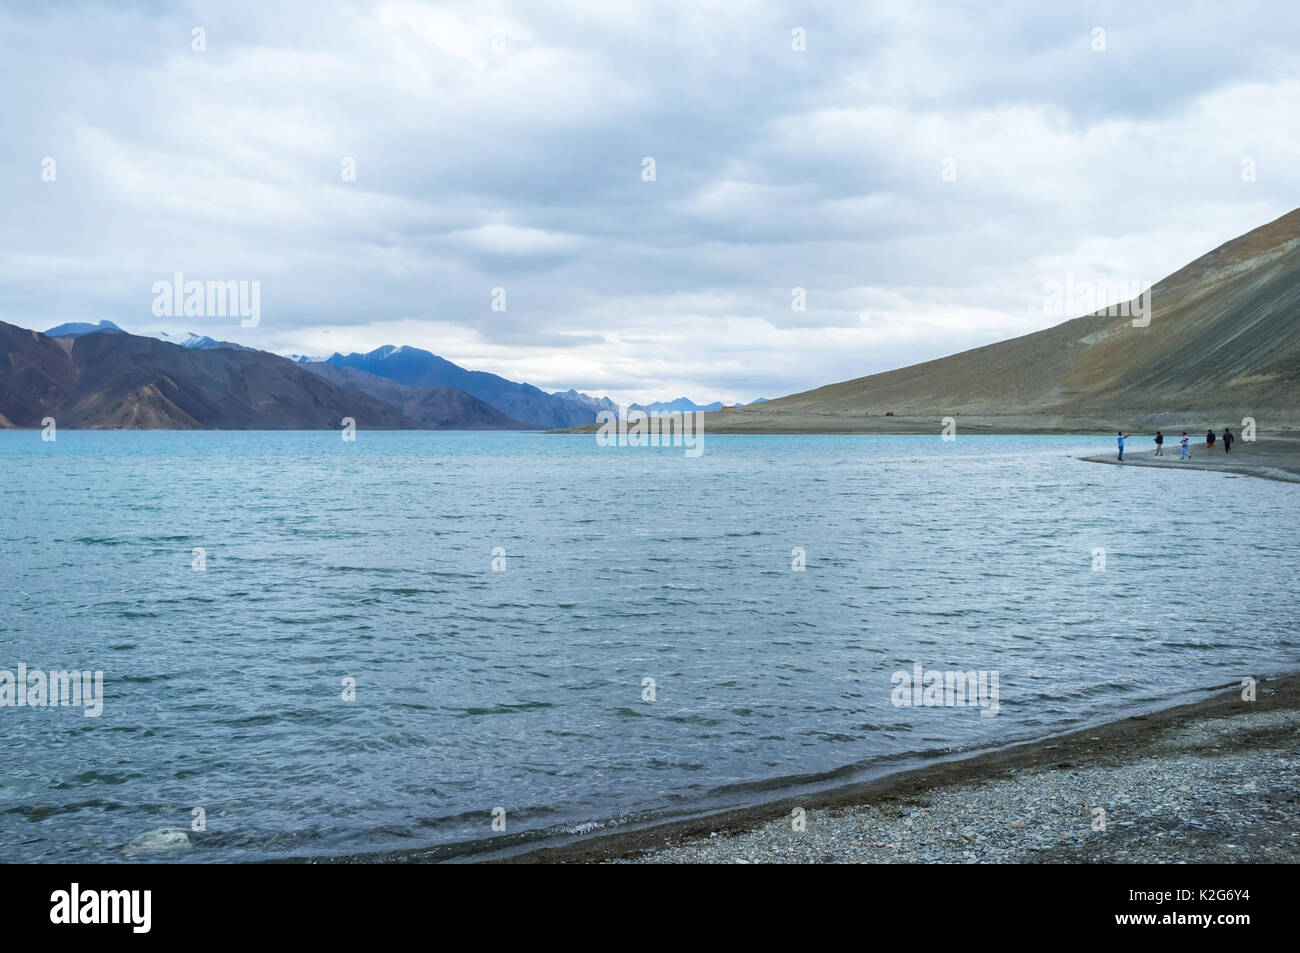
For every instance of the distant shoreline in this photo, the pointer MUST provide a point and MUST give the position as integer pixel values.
(796, 424)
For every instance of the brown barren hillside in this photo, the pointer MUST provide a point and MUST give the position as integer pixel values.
(1223, 343)
(109, 381)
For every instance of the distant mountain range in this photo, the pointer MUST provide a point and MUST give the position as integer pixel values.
(438, 408)
(524, 402)
(417, 368)
(1219, 342)
(681, 404)
(75, 329)
(595, 404)
(200, 341)
(119, 380)
(685, 404)
(110, 378)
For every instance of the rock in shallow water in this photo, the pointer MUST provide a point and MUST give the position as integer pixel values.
(162, 839)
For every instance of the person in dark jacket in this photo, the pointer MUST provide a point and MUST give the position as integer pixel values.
(1227, 440)
(1209, 443)
(1160, 444)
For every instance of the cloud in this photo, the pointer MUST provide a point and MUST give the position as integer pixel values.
(501, 144)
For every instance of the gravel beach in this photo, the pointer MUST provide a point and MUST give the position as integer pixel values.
(1216, 781)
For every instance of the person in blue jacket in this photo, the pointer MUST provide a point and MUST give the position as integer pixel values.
(1122, 437)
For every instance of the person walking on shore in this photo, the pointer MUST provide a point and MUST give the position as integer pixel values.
(1209, 443)
(1185, 455)
(1227, 440)
(1122, 437)
(1160, 444)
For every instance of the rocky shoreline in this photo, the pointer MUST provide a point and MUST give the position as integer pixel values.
(1216, 781)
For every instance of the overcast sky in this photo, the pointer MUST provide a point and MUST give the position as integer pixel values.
(919, 174)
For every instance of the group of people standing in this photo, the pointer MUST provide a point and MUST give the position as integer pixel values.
(1186, 454)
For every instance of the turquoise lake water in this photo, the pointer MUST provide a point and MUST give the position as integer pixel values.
(524, 688)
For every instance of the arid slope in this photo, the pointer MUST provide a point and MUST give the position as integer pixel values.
(1223, 343)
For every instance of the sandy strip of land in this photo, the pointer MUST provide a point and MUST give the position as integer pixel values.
(756, 421)
(1216, 781)
(1273, 457)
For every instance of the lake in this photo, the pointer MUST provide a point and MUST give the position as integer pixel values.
(384, 641)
